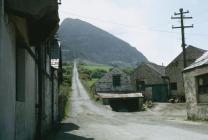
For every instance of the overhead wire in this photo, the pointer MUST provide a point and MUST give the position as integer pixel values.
(143, 28)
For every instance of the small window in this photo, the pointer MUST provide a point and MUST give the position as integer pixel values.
(140, 85)
(173, 86)
(20, 74)
(116, 80)
(202, 84)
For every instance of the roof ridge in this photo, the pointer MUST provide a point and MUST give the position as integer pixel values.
(202, 60)
(158, 71)
(181, 53)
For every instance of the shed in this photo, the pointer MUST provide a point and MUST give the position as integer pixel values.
(114, 81)
(196, 88)
(115, 89)
(147, 78)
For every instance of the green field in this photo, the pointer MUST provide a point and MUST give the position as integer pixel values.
(90, 73)
(94, 67)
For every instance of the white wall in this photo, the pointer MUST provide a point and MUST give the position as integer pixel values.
(25, 111)
(7, 80)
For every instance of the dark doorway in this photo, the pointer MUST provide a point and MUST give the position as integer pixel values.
(125, 105)
(116, 80)
(140, 85)
(160, 93)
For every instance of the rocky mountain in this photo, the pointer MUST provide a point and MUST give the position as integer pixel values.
(81, 40)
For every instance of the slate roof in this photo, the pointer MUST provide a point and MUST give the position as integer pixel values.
(159, 69)
(119, 95)
(189, 50)
(115, 69)
(203, 60)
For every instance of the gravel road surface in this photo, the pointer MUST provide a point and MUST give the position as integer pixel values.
(92, 121)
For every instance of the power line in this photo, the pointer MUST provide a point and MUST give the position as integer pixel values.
(117, 23)
(201, 14)
(99, 19)
(142, 28)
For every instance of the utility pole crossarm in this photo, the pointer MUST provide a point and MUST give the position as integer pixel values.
(175, 17)
(187, 17)
(181, 11)
(176, 27)
(172, 17)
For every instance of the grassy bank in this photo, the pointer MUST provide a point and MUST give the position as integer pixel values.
(65, 90)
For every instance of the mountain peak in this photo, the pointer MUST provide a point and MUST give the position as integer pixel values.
(88, 42)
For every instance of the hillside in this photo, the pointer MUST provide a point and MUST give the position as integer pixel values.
(87, 42)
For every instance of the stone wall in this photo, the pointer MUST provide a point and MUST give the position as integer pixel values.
(195, 110)
(174, 72)
(105, 84)
(145, 73)
(175, 68)
(149, 76)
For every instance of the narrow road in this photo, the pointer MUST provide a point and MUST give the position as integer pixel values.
(91, 121)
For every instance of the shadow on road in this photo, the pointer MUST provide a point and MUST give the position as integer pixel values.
(64, 133)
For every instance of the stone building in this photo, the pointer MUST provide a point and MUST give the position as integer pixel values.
(115, 88)
(148, 79)
(196, 88)
(174, 70)
(114, 81)
(27, 101)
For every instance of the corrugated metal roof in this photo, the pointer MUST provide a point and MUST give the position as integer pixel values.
(117, 95)
(55, 49)
(203, 60)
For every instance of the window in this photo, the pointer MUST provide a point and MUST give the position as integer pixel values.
(116, 80)
(203, 84)
(20, 74)
(202, 88)
(140, 85)
(173, 86)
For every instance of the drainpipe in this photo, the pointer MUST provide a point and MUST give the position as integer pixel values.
(52, 97)
(60, 74)
(40, 77)
(1, 17)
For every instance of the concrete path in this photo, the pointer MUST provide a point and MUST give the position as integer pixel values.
(92, 121)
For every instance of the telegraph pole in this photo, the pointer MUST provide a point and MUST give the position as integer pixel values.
(182, 27)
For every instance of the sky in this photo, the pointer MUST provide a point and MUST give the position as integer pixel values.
(144, 24)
